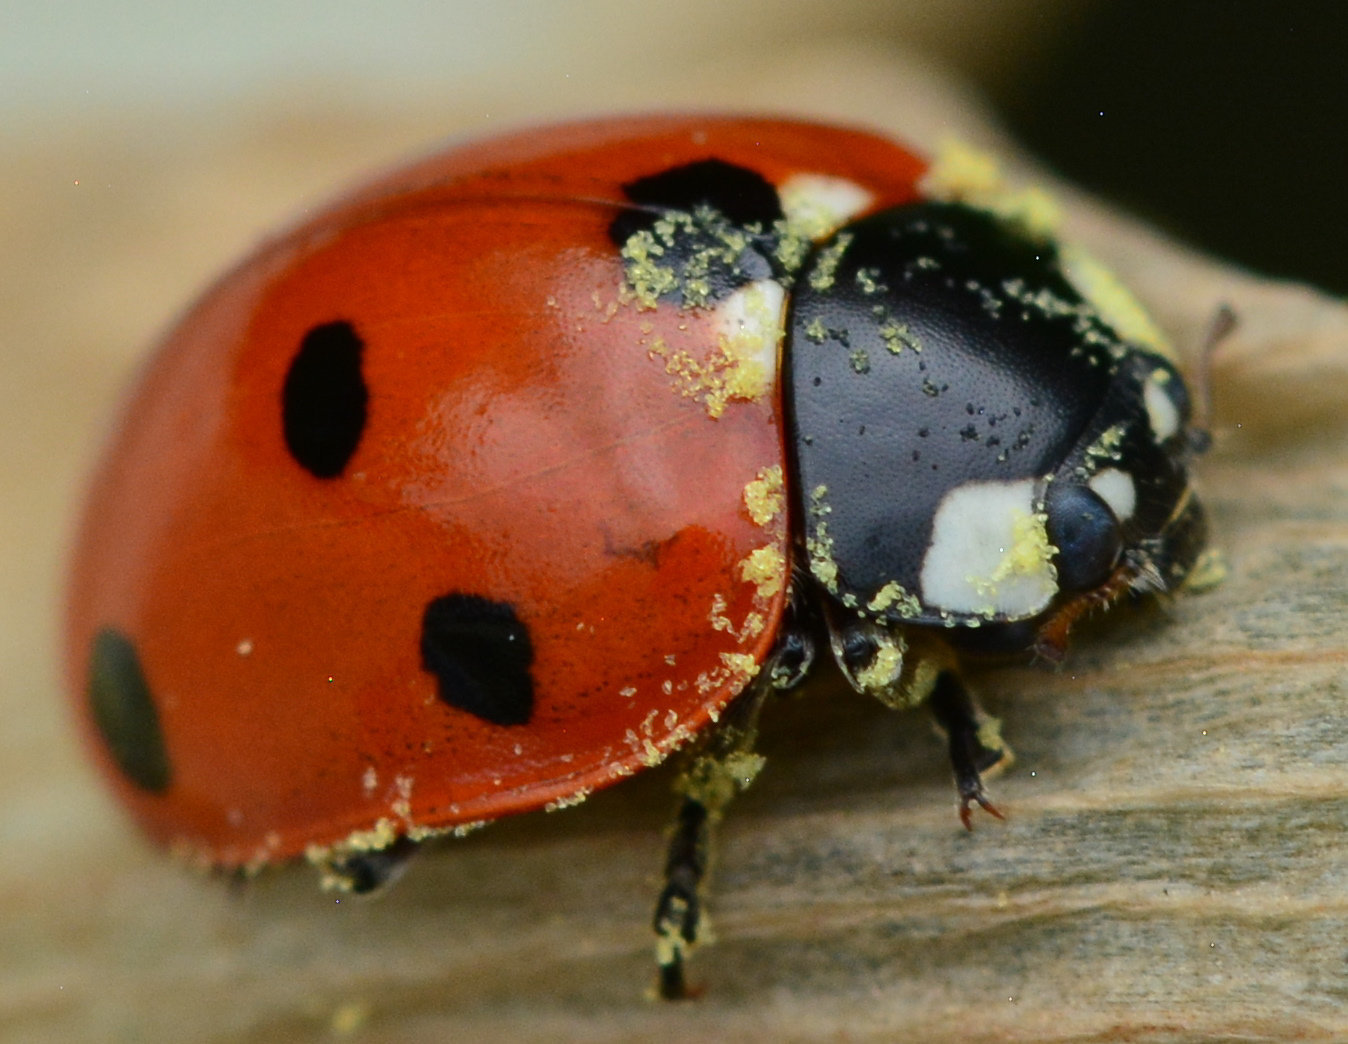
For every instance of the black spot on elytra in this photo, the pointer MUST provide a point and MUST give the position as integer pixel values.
(124, 712)
(323, 403)
(743, 196)
(480, 654)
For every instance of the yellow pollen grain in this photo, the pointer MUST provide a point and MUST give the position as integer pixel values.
(897, 337)
(741, 664)
(1113, 301)
(647, 278)
(1208, 571)
(825, 268)
(961, 172)
(883, 670)
(819, 544)
(765, 496)
(765, 568)
(809, 218)
(895, 595)
(717, 617)
(569, 801)
(1104, 449)
(723, 376)
(1029, 553)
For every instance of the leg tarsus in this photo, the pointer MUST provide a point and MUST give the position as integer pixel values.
(673, 984)
(974, 746)
(678, 910)
(677, 918)
(967, 800)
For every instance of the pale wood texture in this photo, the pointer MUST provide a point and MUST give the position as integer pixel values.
(1173, 866)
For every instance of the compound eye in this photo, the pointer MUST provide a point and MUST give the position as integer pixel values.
(1084, 530)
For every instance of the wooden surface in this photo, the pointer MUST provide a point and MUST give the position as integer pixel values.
(1175, 858)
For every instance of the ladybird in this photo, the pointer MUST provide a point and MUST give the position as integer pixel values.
(514, 472)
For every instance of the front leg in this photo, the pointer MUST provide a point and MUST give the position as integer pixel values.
(903, 670)
(975, 743)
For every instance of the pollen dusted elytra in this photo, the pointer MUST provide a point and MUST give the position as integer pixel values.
(515, 471)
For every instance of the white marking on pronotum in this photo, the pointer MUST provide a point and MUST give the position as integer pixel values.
(989, 553)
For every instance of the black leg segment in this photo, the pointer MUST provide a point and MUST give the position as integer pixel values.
(678, 911)
(975, 746)
(723, 766)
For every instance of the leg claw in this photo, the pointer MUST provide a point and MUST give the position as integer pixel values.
(966, 811)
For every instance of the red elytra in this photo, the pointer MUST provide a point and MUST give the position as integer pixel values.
(533, 435)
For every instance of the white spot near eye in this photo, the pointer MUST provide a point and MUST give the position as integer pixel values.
(818, 203)
(1117, 489)
(989, 553)
(1162, 413)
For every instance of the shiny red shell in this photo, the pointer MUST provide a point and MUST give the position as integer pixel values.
(527, 436)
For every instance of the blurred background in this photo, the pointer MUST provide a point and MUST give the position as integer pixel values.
(1222, 121)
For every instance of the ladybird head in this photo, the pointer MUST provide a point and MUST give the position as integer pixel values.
(978, 448)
